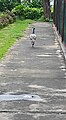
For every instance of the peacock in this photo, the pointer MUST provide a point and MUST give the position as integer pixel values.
(33, 37)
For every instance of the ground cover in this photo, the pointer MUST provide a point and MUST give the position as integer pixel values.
(11, 33)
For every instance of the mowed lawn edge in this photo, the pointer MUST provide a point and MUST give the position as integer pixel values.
(10, 34)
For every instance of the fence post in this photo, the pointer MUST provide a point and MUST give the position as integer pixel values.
(54, 12)
(59, 11)
(64, 24)
(57, 15)
(60, 17)
(63, 21)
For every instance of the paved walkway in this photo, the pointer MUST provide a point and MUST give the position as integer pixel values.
(36, 76)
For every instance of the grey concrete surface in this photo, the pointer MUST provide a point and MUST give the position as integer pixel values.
(37, 71)
(59, 38)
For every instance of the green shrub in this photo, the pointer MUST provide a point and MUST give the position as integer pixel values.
(19, 10)
(42, 19)
(33, 4)
(8, 4)
(27, 12)
(32, 13)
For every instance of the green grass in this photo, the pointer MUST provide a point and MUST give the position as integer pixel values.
(11, 33)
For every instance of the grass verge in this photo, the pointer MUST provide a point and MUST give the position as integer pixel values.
(9, 34)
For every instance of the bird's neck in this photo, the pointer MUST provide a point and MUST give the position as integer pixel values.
(33, 32)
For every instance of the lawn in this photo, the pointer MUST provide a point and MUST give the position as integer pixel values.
(11, 33)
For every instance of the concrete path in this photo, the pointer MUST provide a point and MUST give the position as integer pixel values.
(33, 80)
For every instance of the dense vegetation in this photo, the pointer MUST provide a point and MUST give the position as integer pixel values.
(12, 9)
(10, 4)
(27, 12)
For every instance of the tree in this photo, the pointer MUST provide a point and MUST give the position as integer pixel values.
(46, 8)
(8, 4)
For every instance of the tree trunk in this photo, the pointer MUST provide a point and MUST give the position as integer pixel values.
(46, 8)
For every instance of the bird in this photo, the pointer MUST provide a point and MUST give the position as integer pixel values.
(33, 37)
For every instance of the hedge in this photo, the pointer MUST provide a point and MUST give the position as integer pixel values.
(27, 12)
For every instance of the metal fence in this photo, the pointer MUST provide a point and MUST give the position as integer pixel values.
(60, 18)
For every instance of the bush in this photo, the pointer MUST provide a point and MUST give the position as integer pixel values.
(3, 21)
(33, 4)
(27, 12)
(10, 19)
(42, 19)
(6, 18)
(32, 13)
(19, 10)
(8, 4)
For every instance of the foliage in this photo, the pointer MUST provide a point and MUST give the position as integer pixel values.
(9, 34)
(7, 4)
(26, 9)
(34, 3)
(6, 18)
(42, 19)
(27, 12)
(52, 11)
(33, 13)
(19, 10)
